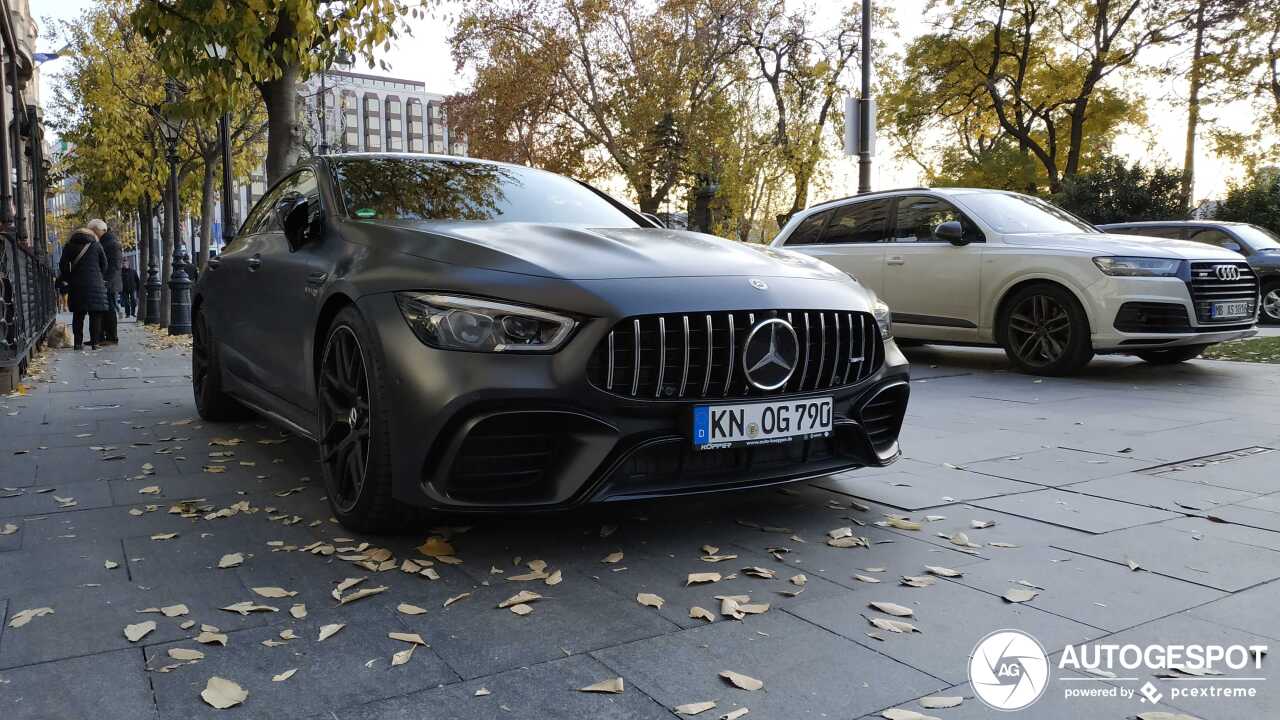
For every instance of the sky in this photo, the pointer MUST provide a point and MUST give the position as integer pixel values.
(425, 56)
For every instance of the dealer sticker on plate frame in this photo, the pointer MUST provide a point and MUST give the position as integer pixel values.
(721, 426)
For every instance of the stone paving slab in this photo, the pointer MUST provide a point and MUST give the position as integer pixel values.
(804, 669)
(1242, 534)
(1056, 467)
(86, 494)
(354, 663)
(975, 446)
(1090, 591)
(921, 486)
(77, 562)
(1252, 610)
(1160, 491)
(1073, 510)
(1184, 628)
(1244, 515)
(945, 614)
(1208, 561)
(548, 691)
(106, 685)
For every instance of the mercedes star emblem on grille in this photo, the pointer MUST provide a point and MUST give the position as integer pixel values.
(1227, 272)
(770, 354)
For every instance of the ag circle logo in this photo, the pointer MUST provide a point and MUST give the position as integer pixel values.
(1008, 670)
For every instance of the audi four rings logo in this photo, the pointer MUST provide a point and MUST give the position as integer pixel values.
(770, 353)
(1227, 272)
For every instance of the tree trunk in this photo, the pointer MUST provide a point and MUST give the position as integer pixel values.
(799, 200)
(206, 211)
(280, 97)
(1193, 112)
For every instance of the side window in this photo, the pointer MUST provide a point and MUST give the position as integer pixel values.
(1212, 236)
(809, 230)
(1157, 231)
(859, 222)
(302, 183)
(917, 216)
(253, 223)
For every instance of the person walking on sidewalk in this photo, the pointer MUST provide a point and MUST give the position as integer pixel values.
(129, 285)
(82, 271)
(110, 246)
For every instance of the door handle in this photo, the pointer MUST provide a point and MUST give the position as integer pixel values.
(254, 263)
(317, 278)
(213, 263)
(895, 260)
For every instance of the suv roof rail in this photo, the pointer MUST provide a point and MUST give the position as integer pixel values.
(865, 194)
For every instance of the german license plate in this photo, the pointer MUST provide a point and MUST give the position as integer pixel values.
(721, 426)
(1228, 310)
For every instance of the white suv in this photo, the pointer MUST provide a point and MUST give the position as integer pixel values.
(987, 267)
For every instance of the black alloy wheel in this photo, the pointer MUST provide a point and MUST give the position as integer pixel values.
(1045, 331)
(345, 417)
(206, 376)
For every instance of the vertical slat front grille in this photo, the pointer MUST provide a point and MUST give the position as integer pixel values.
(669, 357)
(1207, 287)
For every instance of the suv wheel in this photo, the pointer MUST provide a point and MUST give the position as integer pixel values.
(1171, 356)
(355, 455)
(1271, 303)
(1045, 332)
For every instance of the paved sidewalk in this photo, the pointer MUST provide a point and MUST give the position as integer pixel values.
(122, 501)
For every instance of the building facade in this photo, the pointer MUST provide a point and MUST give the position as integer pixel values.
(344, 111)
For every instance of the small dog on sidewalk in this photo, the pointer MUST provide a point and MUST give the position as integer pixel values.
(59, 336)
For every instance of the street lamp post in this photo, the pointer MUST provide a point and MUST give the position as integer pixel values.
(152, 310)
(864, 104)
(179, 283)
(219, 52)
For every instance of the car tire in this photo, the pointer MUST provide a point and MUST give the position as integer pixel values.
(1044, 331)
(212, 402)
(1171, 356)
(1269, 312)
(354, 433)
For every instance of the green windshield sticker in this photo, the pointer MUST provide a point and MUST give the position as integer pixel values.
(366, 212)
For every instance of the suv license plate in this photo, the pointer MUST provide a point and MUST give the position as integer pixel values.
(721, 426)
(1227, 310)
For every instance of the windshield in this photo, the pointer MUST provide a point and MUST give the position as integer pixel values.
(400, 188)
(1260, 239)
(1008, 213)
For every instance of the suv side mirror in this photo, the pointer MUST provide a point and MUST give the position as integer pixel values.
(951, 231)
(296, 219)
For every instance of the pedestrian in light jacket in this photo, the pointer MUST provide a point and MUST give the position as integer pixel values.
(82, 271)
(110, 246)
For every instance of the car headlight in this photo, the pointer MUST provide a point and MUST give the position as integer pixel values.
(1138, 266)
(884, 319)
(452, 322)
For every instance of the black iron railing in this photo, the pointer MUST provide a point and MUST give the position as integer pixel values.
(28, 301)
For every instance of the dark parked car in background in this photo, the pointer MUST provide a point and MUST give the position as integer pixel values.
(1260, 246)
(470, 335)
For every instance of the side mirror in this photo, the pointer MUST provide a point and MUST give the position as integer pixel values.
(1233, 247)
(654, 219)
(295, 218)
(951, 231)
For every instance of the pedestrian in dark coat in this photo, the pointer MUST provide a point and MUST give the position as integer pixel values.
(82, 270)
(110, 246)
(130, 283)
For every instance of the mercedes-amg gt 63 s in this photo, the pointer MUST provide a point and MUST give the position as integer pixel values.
(457, 334)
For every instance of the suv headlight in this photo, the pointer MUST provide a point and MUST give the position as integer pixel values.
(452, 322)
(884, 318)
(1138, 266)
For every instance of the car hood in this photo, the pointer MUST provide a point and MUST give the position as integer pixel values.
(579, 253)
(1108, 244)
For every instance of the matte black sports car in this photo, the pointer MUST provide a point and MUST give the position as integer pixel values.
(471, 335)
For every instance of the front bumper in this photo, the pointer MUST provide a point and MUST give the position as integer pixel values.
(1133, 314)
(487, 432)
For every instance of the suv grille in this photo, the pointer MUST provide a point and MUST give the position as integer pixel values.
(699, 355)
(1207, 288)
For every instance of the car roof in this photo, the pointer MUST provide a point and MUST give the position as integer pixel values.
(906, 191)
(1176, 223)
